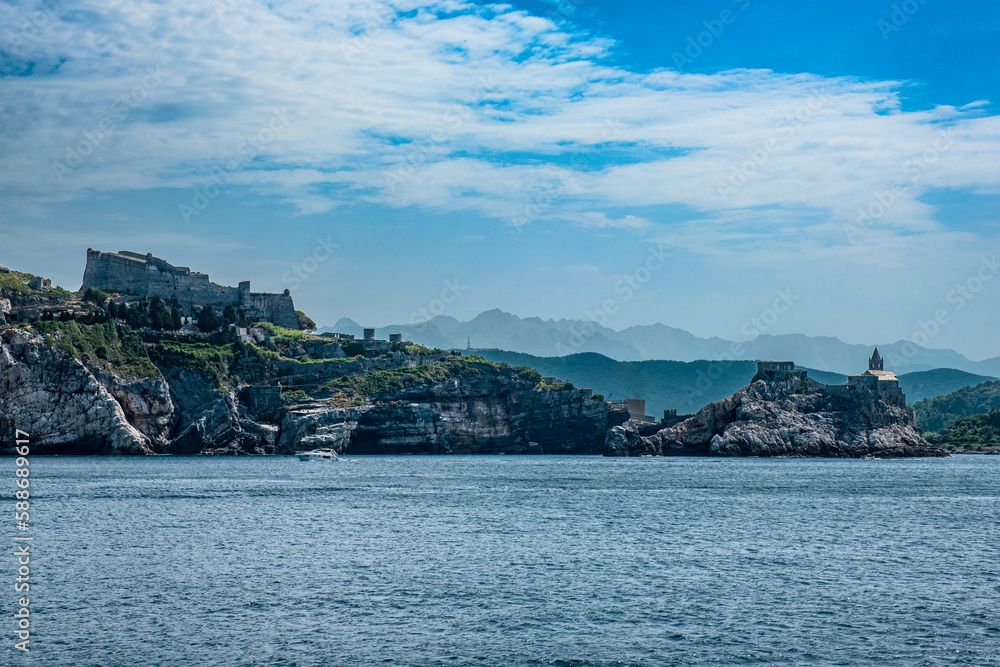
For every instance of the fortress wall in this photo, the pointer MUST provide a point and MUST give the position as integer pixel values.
(190, 289)
(110, 272)
(148, 276)
(277, 308)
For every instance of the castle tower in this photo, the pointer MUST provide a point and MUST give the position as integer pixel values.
(875, 363)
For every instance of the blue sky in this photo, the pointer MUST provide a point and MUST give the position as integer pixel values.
(364, 153)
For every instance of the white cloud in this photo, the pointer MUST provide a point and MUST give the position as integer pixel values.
(454, 106)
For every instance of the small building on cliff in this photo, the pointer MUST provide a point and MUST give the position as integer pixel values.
(148, 276)
(876, 379)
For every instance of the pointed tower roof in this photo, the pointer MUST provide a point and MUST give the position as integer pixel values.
(876, 356)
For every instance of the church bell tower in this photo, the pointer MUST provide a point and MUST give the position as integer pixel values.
(875, 363)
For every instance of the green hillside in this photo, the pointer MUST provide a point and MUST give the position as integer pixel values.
(936, 413)
(975, 433)
(689, 386)
(682, 386)
(938, 382)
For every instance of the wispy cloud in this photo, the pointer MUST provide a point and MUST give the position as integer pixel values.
(454, 106)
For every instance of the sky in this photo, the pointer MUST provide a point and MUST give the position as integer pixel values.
(731, 168)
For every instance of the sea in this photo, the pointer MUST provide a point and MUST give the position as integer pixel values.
(507, 560)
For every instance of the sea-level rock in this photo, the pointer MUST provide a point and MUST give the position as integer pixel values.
(231, 402)
(785, 413)
(481, 415)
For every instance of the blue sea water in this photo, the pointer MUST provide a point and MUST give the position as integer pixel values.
(510, 561)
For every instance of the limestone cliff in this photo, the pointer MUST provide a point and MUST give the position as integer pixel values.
(479, 415)
(786, 414)
(237, 403)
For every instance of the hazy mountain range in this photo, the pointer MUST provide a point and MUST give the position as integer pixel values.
(687, 386)
(556, 338)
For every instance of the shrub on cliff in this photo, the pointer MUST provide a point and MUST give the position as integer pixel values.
(281, 335)
(95, 296)
(306, 323)
(386, 382)
(211, 360)
(102, 345)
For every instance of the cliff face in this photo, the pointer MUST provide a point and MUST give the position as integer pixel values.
(68, 406)
(787, 416)
(67, 409)
(490, 415)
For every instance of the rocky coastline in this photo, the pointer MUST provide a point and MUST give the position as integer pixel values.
(787, 414)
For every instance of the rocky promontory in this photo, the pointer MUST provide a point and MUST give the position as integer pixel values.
(786, 413)
(102, 389)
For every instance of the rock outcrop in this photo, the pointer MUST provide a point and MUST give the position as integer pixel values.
(64, 407)
(497, 414)
(69, 405)
(786, 414)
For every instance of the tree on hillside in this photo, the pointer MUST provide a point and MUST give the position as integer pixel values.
(229, 315)
(159, 316)
(208, 319)
(134, 316)
(305, 322)
(175, 319)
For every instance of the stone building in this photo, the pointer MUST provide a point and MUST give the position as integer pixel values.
(37, 282)
(876, 380)
(148, 276)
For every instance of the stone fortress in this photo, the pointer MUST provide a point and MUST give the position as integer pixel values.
(148, 276)
(876, 380)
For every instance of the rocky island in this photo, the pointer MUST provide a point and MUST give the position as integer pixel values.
(784, 412)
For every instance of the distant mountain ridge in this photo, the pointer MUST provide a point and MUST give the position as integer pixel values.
(557, 338)
(689, 386)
